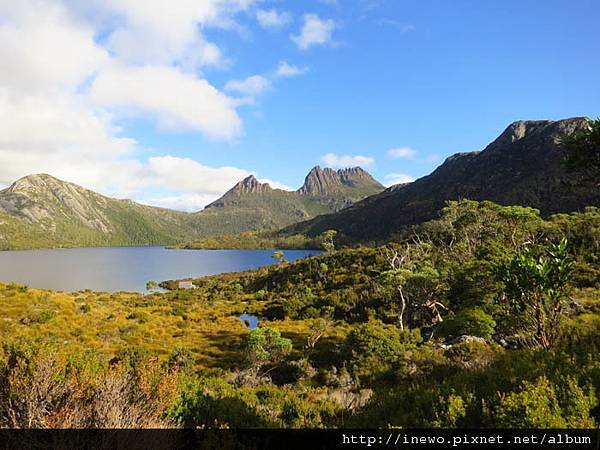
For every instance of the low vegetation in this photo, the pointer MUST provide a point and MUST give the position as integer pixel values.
(488, 316)
(253, 240)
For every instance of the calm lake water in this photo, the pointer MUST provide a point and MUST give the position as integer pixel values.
(125, 268)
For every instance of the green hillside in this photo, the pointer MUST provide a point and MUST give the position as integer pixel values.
(486, 317)
(41, 211)
(524, 166)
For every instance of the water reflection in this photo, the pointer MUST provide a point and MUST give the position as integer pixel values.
(125, 268)
(250, 321)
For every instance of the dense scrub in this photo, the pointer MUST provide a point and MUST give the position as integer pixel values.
(254, 240)
(447, 327)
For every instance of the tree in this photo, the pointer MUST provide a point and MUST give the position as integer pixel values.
(327, 240)
(279, 256)
(151, 285)
(536, 287)
(417, 290)
(582, 150)
(266, 347)
(318, 329)
(394, 278)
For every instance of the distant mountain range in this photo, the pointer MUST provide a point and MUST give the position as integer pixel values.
(43, 211)
(523, 166)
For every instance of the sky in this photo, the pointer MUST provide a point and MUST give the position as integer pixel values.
(171, 103)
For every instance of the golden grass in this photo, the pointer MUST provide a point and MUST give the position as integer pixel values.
(158, 323)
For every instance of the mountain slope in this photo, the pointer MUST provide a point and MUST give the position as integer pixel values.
(254, 206)
(523, 166)
(43, 211)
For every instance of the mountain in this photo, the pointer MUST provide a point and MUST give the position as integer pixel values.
(353, 182)
(43, 211)
(254, 206)
(523, 166)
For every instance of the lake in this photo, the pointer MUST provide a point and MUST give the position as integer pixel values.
(125, 268)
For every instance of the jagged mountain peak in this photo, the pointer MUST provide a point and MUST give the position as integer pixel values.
(521, 129)
(523, 166)
(250, 185)
(323, 181)
(37, 180)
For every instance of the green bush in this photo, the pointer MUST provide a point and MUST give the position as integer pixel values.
(374, 347)
(535, 405)
(473, 322)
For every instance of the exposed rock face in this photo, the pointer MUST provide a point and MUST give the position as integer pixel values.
(354, 176)
(523, 166)
(41, 196)
(250, 185)
(333, 190)
(326, 181)
(43, 211)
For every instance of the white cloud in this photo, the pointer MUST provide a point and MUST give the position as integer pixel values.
(315, 31)
(401, 152)
(286, 70)
(70, 70)
(187, 175)
(252, 86)
(177, 101)
(341, 161)
(276, 184)
(397, 178)
(148, 32)
(183, 202)
(34, 41)
(271, 18)
(62, 136)
(191, 185)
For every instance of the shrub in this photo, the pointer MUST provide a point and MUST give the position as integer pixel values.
(374, 347)
(535, 405)
(265, 347)
(473, 322)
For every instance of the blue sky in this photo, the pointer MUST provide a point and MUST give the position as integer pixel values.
(394, 85)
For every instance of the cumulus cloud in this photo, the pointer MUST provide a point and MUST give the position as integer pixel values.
(286, 70)
(315, 31)
(33, 48)
(191, 184)
(397, 178)
(340, 161)
(276, 184)
(150, 33)
(252, 86)
(187, 175)
(401, 153)
(183, 202)
(71, 70)
(176, 100)
(271, 18)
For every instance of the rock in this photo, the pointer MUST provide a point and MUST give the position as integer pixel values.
(466, 338)
(524, 166)
(250, 185)
(327, 181)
